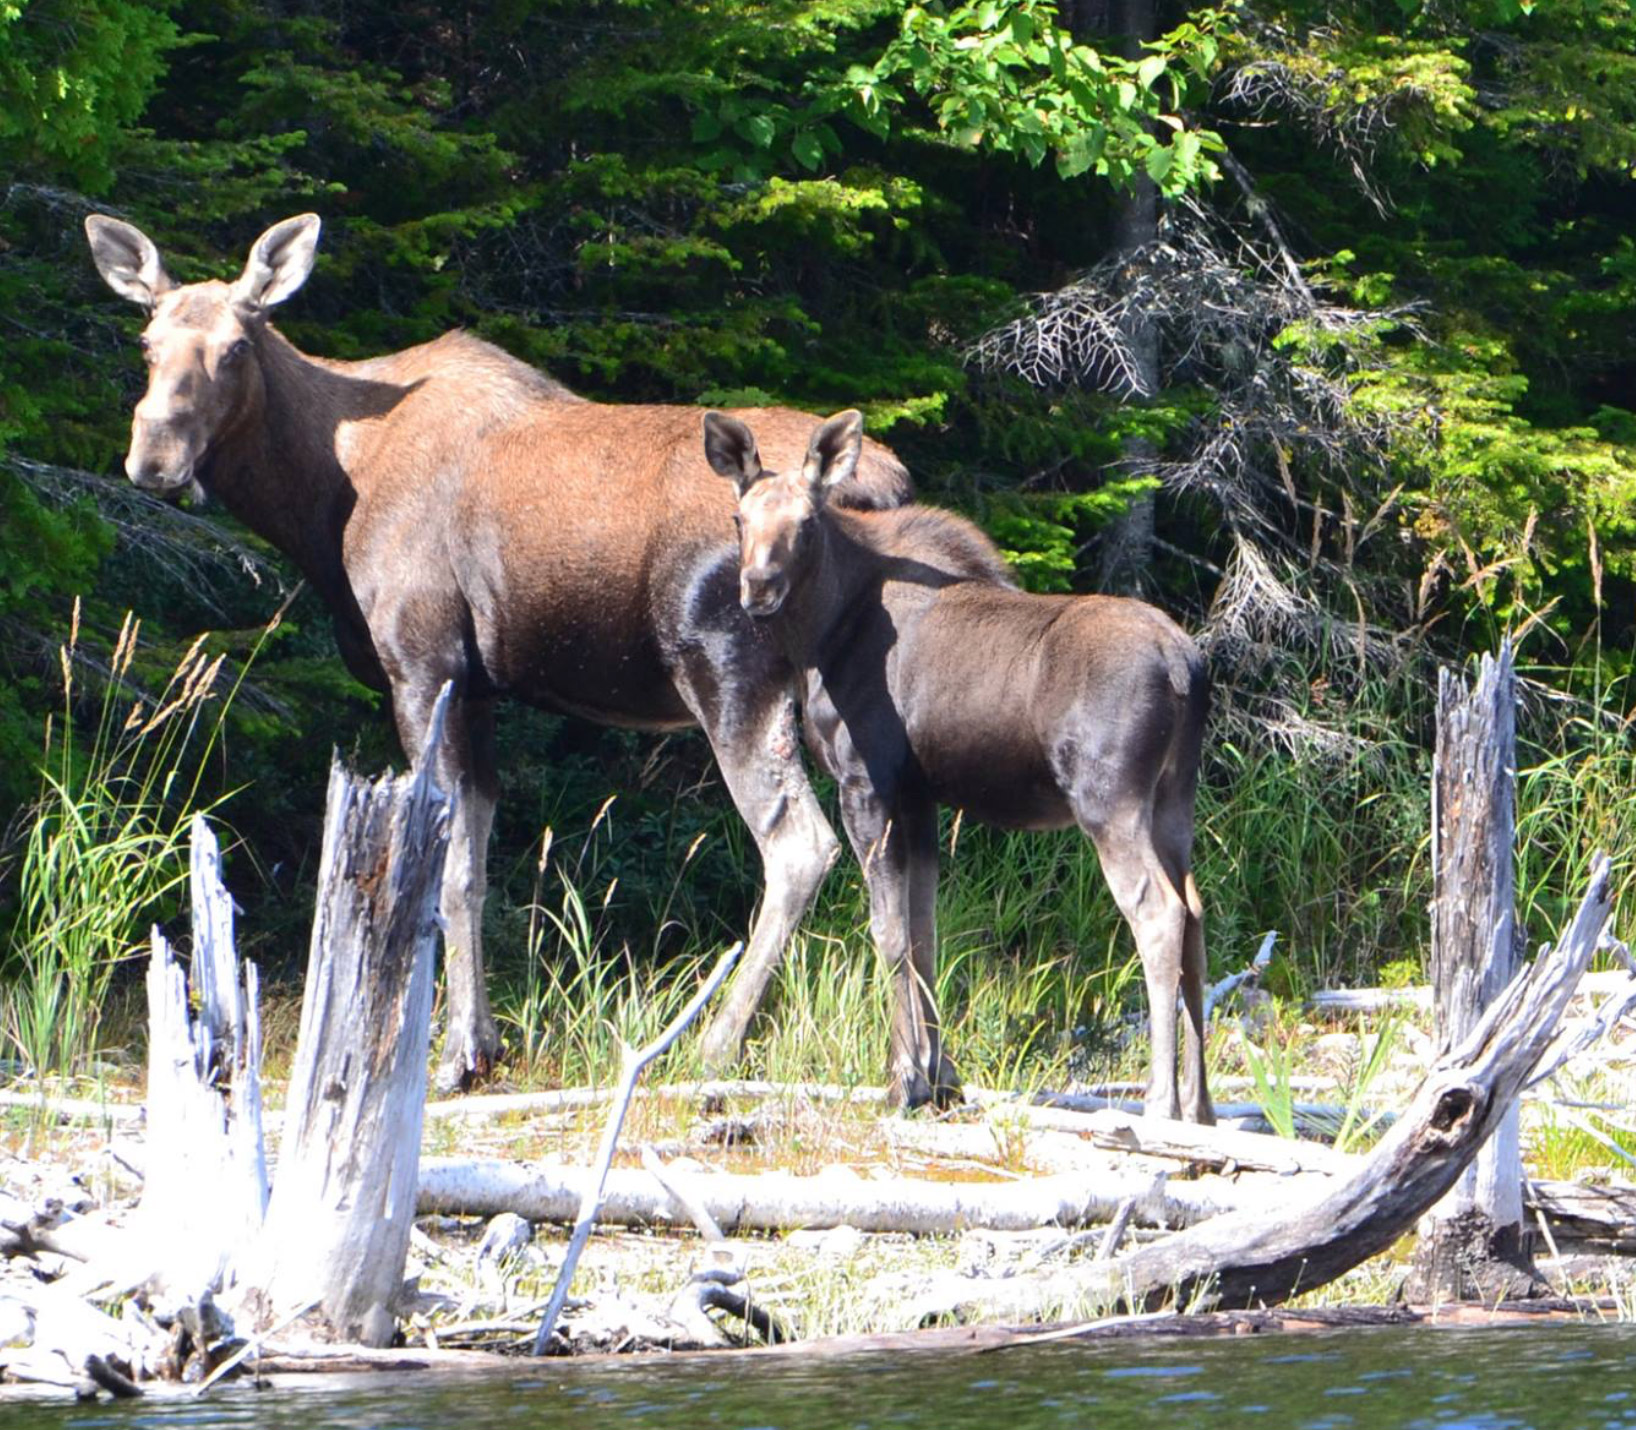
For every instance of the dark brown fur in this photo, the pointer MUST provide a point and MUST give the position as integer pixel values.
(929, 680)
(467, 519)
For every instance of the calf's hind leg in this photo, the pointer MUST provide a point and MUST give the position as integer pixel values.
(1157, 913)
(1173, 833)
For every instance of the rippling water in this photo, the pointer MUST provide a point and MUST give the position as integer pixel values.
(1545, 1376)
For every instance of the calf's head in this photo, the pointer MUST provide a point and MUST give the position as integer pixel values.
(778, 512)
(204, 379)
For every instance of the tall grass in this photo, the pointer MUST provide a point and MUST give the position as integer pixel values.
(1017, 997)
(580, 998)
(102, 851)
(1576, 793)
(1324, 840)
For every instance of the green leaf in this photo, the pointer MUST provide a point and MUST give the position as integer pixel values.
(808, 149)
(759, 129)
(1081, 150)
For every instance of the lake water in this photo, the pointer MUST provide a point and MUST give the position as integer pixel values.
(1545, 1376)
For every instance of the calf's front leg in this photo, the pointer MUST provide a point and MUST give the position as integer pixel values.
(892, 846)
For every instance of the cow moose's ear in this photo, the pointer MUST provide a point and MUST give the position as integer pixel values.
(730, 448)
(127, 259)
(832, 454)
(279, 263)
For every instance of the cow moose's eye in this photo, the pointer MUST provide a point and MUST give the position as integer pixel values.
(147, 350)
(236, 349)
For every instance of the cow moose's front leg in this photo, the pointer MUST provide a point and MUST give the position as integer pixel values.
(465, 766)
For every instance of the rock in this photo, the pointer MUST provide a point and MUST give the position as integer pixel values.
(840, 1243)
(504, 1236)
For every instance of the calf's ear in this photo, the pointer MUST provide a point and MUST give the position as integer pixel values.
(832, 454)
(279, 263)
(730, 448)
(127, 259)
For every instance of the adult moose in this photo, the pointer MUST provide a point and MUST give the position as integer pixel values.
(1026, 711)
(468, 519)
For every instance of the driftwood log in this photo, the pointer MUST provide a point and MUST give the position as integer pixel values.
(1594, 1216)
(781, 1201)
(1249, 1258)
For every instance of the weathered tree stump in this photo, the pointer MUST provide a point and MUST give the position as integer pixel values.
(205, 1191)
(1472, 1245)
(338, 1223)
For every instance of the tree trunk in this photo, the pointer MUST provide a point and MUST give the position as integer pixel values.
(1127, 543)
(337, 1229)
(1472, 1245)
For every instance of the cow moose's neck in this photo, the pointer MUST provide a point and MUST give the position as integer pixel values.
(281, 468)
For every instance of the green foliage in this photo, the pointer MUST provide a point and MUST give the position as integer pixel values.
(1041, 534)
(72, 72)
(1005, 75)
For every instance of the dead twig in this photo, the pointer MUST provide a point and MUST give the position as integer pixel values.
(634, 1061)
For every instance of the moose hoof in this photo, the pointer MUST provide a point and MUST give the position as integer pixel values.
(463, 1067)
(720, 1053)
(948, 1091)
(914, 1088)
(1158, 1104)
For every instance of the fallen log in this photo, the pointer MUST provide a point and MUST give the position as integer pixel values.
(778, 1201)
(1217, 1147)
(1587, 1213)
(1055, 1140)
(1319, 1118)
(1419, 996)
(1249, 1258)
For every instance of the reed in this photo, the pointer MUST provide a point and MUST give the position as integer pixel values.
(101, 853)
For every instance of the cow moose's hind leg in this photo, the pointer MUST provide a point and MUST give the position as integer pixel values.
(466, 768)
(758, 752)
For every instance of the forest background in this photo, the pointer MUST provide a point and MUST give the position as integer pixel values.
(1313, 323)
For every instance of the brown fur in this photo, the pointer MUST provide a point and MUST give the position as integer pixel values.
(929, 679)
(468, 519)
